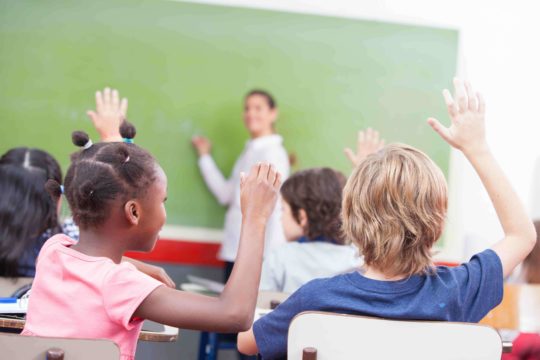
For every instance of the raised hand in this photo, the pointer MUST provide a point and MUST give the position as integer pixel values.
(259, 191)
(109, 114)
(367, 143)
(467, 128)
(201, 144)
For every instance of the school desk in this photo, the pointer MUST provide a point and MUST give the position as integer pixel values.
(151, 331)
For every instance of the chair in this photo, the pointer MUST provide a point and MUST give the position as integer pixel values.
(18, 347)
(326, 336)
(8, 286)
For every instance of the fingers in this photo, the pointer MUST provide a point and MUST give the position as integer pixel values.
(271, 174)
(277, 181)
(254, 172)
(107, 97)
(92, 115)
(167, 280)
(461, 95)
(242, 179)
(350, 155)
(99, 101)
(264, 169)
(439, 129)
(360, 140)
(481, 103)
(115, 100)
(473, 101)
(124, 107)
(451, 105)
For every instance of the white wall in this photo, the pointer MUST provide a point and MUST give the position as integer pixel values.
(500, 54)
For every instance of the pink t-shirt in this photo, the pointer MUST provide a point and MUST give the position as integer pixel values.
(80, 296)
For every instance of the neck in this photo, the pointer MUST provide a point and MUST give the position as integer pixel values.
(96, 243)
(375, 274)
(262, 134)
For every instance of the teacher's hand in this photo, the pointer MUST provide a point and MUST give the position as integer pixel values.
(201, 144)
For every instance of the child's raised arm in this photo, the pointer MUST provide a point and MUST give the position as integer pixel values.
(467, 133)
(109, 114)
(367, 143)
(234, 309)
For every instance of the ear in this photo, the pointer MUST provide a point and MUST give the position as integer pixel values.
(274, 114)
(303, 219)
(132, 210)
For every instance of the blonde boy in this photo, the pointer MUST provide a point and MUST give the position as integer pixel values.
(394, 207)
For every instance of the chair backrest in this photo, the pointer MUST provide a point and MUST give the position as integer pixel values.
(18, 347)
(348, 337)
(9, 285)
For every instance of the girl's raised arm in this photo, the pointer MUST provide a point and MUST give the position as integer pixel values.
(234, 309)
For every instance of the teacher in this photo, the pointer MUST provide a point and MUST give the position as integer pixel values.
(265, 145)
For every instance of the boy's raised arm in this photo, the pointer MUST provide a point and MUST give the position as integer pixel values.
(467, 133)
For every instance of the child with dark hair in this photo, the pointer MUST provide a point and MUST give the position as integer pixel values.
(311, 203)
(117, 192)
(28, 215)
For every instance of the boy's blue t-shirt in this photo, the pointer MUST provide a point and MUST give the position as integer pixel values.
(465, 293)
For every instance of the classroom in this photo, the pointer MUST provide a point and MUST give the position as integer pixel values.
(269, 179)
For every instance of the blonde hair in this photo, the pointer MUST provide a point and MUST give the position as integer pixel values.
(394, 207)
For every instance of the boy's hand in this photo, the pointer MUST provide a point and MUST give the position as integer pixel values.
(259, 191)
(467, 131)
(109, 114)
(202, 145)
(367, 143)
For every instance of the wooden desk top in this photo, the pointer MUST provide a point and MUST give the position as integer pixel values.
(170, 334)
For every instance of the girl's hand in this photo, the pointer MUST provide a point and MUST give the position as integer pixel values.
(259, 191)
(467, 131)
(202, 145)
(156, 272)
(109, 114)
(159, 274)
(368, 142)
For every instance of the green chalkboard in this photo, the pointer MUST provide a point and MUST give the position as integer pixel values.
(185, 68)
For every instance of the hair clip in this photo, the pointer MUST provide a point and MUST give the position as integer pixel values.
(88, 144)
(61, 189)
(128, 140)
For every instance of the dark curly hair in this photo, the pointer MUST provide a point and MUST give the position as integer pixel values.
(26, 210)
(101, 173)
(318, 192)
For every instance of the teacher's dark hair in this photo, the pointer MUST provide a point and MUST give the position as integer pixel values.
(272, 104)
(26, 209)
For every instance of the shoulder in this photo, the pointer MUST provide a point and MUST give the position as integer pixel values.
(486, 261)
(123, 272)
(55, 242)
(325, 285)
